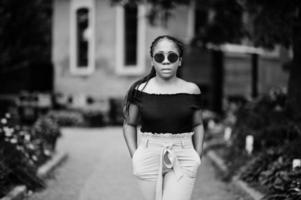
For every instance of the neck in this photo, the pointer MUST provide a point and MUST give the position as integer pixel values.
(169, 81)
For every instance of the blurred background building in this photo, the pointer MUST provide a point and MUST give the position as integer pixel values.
(86, 53)
(69, 63)
(98, 50)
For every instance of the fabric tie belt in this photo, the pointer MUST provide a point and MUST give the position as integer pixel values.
(167, 153)
(173, 163)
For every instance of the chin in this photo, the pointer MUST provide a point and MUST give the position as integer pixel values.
(166, 76)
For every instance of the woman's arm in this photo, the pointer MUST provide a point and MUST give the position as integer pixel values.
(130, 136)
(199, 132)
(198, 138)
(130, 128)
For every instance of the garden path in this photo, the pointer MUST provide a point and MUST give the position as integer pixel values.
(99, 168)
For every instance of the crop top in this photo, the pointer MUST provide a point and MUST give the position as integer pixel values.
(164, 113)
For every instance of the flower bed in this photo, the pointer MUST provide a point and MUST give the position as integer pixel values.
(277, 139)
(23, 150)
(272, 172)
(78, 118)
(68, 117)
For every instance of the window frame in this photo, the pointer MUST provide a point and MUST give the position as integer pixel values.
(139, 68)
(75, 6)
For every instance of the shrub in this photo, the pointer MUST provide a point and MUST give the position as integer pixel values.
(115, 113)
(276, 142)
(47, 129)
(68, 117)
(4, 174)
(267, 120)
(23, 150)
(272, 172)
(18, 165)
(94, 118)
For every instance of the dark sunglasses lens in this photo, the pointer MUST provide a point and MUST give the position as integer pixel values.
(159, 57)
(173, 57)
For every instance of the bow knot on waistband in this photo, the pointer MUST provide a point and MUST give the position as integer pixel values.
(170, 161)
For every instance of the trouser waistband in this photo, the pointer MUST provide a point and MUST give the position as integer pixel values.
(166, 142)
(181, 139)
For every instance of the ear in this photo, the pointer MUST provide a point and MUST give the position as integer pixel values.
(180, 62)
(152, 63)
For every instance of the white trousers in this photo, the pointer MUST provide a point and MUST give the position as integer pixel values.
(166, 166)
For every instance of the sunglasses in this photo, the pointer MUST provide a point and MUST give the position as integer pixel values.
(171, 57)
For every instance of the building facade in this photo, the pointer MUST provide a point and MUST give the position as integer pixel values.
(99, 49)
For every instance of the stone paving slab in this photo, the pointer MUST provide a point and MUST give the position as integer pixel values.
(99, 168)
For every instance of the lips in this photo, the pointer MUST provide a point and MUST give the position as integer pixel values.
(166, 70)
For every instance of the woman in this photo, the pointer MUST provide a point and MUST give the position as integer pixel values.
(167, 157)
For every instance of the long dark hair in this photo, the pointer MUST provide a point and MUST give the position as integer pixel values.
(131, 94)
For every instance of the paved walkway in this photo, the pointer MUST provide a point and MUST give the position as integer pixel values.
(99, 168)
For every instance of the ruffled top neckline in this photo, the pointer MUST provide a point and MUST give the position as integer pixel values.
(166, 94)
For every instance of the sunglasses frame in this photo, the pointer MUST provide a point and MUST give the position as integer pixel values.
(164, 54)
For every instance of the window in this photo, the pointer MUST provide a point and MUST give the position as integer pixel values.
(130, 39)
(82, 37)
(130, 34)
(82, 23)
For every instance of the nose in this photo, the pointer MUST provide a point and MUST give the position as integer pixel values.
(165, 61)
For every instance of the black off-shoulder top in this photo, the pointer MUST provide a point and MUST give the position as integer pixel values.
(165, 113)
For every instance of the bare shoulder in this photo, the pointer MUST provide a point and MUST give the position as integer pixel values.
(141, 86)
(193, 88)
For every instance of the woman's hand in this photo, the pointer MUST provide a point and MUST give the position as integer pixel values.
(200, 152)
(132, 153)
(130, 136)
(198, 139)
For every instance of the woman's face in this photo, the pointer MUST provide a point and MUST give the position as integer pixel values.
(166, 69)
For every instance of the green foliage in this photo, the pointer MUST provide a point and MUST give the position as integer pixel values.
(68, 117)
(267, 120)
(160, 10)
(47, 130)
(94, 118)
(163, 4)
(273, 22)
(271, 171)
(4, 174)
(269, 123)
(18, 156)
(23, 150)
(25, 29)
(258, 166)
(268, 23)
(277, 140)
(226, 24)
